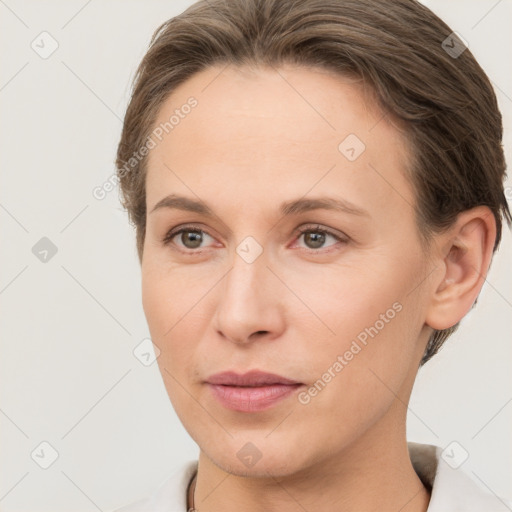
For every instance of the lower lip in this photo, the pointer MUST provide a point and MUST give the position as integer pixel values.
(252, 399)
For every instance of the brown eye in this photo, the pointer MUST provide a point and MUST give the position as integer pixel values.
(189, 238)
(316, 237)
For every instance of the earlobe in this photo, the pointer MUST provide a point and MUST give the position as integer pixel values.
(465, 257)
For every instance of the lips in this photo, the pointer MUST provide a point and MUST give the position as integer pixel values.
(253, 378)
(252, 391)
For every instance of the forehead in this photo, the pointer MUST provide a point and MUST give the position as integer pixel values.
(284, 131)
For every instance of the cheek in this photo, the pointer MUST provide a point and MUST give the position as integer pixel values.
(174, 302)
(167, 306)
(156, 302)
(375, 322)
(357, 302)
(356, 377)
(169, 295)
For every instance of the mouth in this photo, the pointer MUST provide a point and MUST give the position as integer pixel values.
(251, 392)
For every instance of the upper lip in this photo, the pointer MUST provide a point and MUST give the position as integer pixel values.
(251, 378)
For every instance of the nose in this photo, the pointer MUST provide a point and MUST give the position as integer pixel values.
(249, 303)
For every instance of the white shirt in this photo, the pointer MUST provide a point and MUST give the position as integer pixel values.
(452, 490)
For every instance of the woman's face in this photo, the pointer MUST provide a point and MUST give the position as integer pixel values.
(339, 309)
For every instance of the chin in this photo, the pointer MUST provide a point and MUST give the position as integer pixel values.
(263, 469)
(257, 460)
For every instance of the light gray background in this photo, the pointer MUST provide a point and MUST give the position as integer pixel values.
(69, 326)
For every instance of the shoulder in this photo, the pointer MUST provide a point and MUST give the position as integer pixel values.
(451, 487)
(169, 495)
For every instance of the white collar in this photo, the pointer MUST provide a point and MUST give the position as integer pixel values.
(452, 490)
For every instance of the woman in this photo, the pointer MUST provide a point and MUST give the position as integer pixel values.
(317, 189)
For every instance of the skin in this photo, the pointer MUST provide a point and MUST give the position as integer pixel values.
(259, 137)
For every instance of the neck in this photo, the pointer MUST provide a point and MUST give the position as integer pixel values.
(374, 473)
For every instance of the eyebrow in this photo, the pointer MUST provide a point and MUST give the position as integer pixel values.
(288, 208)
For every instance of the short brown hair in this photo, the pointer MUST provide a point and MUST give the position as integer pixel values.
(445, 100)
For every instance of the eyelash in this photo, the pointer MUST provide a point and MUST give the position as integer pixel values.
(307, 229)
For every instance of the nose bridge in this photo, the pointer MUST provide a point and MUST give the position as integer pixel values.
(245, 303)
(245, 282)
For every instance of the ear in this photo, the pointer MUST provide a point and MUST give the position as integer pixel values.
(464, 253)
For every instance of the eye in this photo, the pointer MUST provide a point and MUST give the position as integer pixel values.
(316, 236)
(191, 238)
